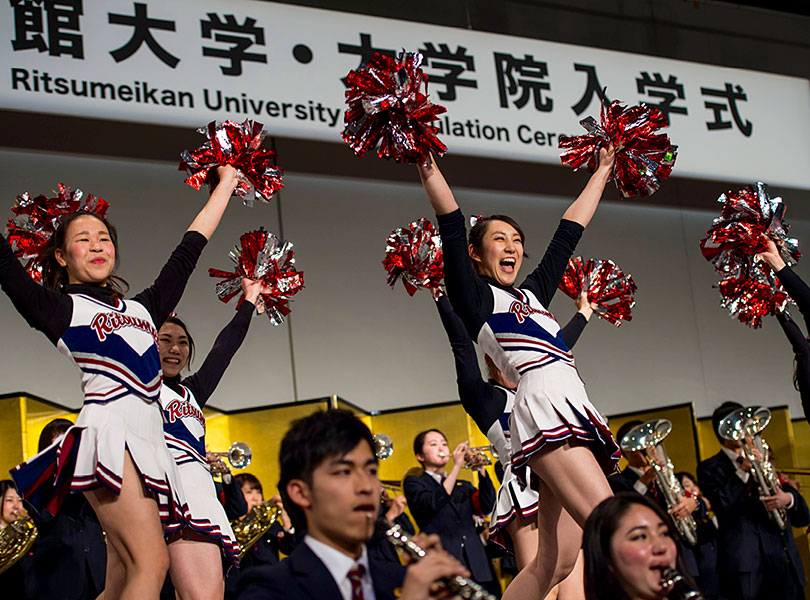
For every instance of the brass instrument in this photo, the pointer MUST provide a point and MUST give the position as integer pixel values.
(238, 455)
(476, 457)
(647, 438)
(15, 540)
(745, 425)
(461, 586)
(676, 587)
(383, 446)
(250, 528)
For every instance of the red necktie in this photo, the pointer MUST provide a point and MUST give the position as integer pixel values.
(356, 579)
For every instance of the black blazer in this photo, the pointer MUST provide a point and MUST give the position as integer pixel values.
(747, 537)
(451, 517)
(303, 575)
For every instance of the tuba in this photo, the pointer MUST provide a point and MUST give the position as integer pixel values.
(647, 438)
(15, 540)
(745, 425)
(250, 528)
(238, 455)
(383, 446)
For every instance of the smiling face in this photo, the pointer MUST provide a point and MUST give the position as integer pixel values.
(690, 486)
(435, 451)
(639, 549)
(500, 254)
(12, 508)
(173, 346)
(88, 253)
(342, 502)
(253, 495)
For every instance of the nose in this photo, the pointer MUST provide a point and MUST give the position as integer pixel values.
(365, 483)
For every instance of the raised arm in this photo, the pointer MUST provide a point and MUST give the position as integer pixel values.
(573, 329)
(207, 220)
(438, 192)
(582, 209)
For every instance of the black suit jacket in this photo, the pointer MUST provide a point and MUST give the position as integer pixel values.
(303, 576)
(747, 538)
(451, 518)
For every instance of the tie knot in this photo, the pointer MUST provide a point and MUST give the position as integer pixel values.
(357, 572)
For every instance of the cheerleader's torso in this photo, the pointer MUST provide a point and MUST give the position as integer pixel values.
(115, 348)
(183, 425)
(521, 335)
(498, 434)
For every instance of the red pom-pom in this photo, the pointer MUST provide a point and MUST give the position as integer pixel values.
(387, 106)
(36, 219)
(607, 286)
(749, 288)
(262, 255)
(230, 143)
(643, 157)
(414, 255)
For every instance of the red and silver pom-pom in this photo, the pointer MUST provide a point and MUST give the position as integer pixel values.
(753, 293)
(388, 106)
(240, 145)
(607, 286)
(36, 219)
(414, 255)
(643, 157)
(262, 255)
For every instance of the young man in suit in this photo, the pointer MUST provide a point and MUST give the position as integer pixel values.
(442, 504)
(330, 488)
(756, 560)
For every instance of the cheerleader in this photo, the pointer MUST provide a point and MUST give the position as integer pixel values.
(194, 558)
(115, 454)
(555, 429)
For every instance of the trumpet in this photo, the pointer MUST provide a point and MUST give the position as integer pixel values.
(745, 425)
(647, 438)
(476, 457)
(383, 446)
(238, 455)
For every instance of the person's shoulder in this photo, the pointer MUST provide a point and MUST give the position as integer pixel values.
(387, 577)
(713, 462)
(267, 582)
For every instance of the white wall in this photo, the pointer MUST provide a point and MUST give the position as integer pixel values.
(379, 348)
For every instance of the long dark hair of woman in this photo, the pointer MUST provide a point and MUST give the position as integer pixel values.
(601, 582)
(54, 275)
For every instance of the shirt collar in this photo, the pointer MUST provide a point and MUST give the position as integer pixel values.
(338, 563)
(437, 476)
(731, 454)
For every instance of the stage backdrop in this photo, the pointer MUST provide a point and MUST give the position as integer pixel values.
(351, 335)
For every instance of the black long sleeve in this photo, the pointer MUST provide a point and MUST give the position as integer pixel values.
(573, 329)
(545, 278)
(798, 290)
(203, 383)
(235, 504)
(486, 493)
(800, 293)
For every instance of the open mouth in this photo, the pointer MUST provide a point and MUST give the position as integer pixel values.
(172, 361)
(507, 265)
(370, 510)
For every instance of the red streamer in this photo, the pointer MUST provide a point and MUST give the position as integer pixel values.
(414, 255)
(607, 286)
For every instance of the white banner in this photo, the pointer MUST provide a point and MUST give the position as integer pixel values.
(187, 62)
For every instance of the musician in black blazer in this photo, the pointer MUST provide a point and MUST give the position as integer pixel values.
(756, 560)
(330, 487)
(442, 504)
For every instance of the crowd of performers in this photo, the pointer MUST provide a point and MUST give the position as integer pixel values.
(126, 507)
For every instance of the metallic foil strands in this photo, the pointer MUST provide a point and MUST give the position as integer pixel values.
(643, 157)
(388, 106)
(414, 255)
(240, 145)
(606, 284)
(262, 255)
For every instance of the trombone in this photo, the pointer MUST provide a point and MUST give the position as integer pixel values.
(238, 455)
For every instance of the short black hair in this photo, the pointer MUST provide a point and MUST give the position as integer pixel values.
(312, 440)
(249, 479)
(175, 320)
(601, 582)
(625, 429)
(53, 429)
(720, 413)
(419, 441)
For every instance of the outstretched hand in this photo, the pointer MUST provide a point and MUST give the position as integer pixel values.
(607, 158)
(252, 288)
(771, 255)
(584, 306)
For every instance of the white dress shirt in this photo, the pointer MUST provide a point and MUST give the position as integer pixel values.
(744, 475)
(339, 565)
(639, 485)
(439, 477)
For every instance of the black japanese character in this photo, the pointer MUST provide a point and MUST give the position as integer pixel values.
(731, 94)
(142, 25)
(365, 50)
(63, 26)
(592, 88)
(452, 63)
(667, 91)
(529, 75)
(240, 37)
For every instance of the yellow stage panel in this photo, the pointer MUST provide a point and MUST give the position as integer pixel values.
(12, 430)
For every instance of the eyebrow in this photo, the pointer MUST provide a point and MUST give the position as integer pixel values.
(497, 231)
(350, 463)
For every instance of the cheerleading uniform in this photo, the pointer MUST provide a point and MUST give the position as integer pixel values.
(800, 293)
(113, 342)
(184, 429)
(490, 406)
(513, 326)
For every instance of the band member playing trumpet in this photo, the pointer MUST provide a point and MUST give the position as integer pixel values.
(392, 511)
(442, 504)
(757, 560)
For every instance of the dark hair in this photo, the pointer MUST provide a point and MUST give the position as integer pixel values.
(54, 275)
(681, 474)
(419, 441)
(175, 320)
(249, 479)
(476, 236)
(312, 440)
(53, 429)
(625, 429)
(5, 486)
(601, 582)
(720, 413)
